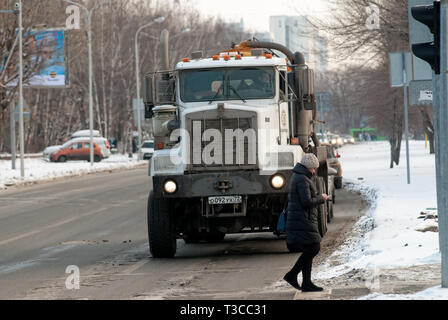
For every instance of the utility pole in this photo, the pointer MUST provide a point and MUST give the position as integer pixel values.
(21, 126)
(13, 135)
(18, 12)
(406, 117)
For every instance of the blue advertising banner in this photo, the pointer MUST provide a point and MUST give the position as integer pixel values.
(48, 60)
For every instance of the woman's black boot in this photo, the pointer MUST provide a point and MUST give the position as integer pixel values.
(311, 287)
(292, 280)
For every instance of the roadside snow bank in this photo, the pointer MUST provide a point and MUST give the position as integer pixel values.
(434, 293)
(387, 238)
(39, 169)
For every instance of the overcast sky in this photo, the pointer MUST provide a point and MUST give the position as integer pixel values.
(256, 12)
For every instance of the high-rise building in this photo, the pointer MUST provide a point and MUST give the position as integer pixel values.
(297, 33)
(263, 36)
(236, 26)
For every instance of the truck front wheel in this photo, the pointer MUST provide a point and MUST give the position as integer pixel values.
(161, 230)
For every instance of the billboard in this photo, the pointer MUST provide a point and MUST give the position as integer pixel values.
(47, 65)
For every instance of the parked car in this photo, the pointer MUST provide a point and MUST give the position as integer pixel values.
(323, 138)
(101, 141)
(334, 163)
(75, 149)
(147, 149)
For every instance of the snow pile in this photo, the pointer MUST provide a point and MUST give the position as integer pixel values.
(387, 238)
(40, 169)
(434, 293)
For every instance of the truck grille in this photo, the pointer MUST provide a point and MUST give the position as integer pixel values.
(237, 150)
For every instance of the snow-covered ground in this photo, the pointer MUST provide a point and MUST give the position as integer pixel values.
(434, 293)
(39, 169)
(387, 237)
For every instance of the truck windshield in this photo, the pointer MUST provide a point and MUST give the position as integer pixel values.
(227, 84)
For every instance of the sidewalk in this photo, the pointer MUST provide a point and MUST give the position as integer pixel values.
(388, 255)
(37, 170)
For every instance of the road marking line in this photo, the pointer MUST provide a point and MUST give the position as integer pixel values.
(135, 267)
(51, 226)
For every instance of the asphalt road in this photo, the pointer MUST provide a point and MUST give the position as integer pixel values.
(98, 224)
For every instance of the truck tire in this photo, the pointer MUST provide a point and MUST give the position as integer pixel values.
(322, 209)
(161, 231)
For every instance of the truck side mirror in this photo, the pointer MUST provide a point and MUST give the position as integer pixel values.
(148, 96)
(305, 78)
(165, 91)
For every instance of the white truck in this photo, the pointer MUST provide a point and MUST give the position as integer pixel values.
(228, 130)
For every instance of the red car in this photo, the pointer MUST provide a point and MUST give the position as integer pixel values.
(77, 150)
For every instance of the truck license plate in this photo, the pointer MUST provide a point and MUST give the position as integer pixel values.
(225, 200)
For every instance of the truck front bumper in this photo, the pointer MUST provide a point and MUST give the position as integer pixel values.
(220, 184)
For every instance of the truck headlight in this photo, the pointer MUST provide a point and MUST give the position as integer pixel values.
(170, 186)
(277, 181)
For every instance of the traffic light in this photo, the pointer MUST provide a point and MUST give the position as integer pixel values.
(429, 15)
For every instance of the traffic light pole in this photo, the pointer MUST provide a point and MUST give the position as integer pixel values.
(440, 83)
(435, 52)
(406, 118)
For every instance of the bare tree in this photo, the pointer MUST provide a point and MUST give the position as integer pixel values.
(56, 113)
(355, 41)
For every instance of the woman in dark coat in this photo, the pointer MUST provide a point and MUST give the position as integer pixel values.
(302, 232)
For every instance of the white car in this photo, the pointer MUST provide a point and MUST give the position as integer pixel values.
(85, 134)
(336, 141)
(322, 138)
(349, 139)
(147, 149)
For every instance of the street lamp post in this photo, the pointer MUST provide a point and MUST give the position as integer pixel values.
(22, 140)
(137, 76)
(18, 13)
(186, 30)
(89, 40)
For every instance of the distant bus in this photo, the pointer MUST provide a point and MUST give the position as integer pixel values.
(366, 134)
